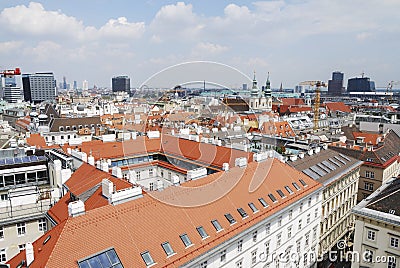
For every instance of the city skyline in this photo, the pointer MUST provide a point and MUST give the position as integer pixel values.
(293, 40)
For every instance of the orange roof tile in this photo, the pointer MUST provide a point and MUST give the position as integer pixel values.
(124, 227)
(36, 140)
(337, 106)
(370, 138)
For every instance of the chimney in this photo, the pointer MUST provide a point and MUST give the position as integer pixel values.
(310, 152)
(301, 155)
(317, 149)
(76, 208)
(225, 166)
(30, 257)
(107, 187)
(175, 180)
(104, 166)
(293, 158)
(69, 150)
(91, 160)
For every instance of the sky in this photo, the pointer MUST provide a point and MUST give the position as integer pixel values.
(293, 40)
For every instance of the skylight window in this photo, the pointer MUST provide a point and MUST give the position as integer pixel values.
(272, 197)
(216, 225)
(296, 186)
(242, 213)
(230, 218)
(288, 190)
(253, 207)
(106, 259)
(202, 232)
(263, 202)
(167, 248)
(148, 260)
(186, 240)
(281, 194)
(303, 183)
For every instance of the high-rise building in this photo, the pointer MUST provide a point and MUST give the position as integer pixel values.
(335, 85)
(85, 85)
(64, 85)
(75, 85)
(12, 94)
(121, 83)
(362, 84)
(39, 87)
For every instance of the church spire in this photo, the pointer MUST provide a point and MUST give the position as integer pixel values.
(268, 87)
(254, 81)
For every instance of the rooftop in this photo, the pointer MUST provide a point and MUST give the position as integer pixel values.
(126, 228)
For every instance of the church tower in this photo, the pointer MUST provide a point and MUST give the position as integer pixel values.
(255, 95)
(268, 94)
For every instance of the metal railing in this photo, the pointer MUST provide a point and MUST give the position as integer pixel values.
(10, 212)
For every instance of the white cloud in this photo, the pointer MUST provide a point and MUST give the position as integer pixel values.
(9, 47)
(122, 28)
(209, 48)
(364, 35)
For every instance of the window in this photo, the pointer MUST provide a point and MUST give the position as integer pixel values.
(281, 194)
(254, 257)
(279, 221)
(239, 246)
(242, 212)
(239, 264)
(263, 203)
(306, 243)
(288, 190)
(272, 197)
(137, 175)
(305, 259)
(267, 228)
(394, 242)
(1, 232)
(368, 186)
(368, 255)
(299, 224)
(148, 260)
(267, 248)
(4, 197)
(186, 240)
(296, 186)
(151, 172)
(371, 235)
(253, 207)
(391, 262)
(21, 228)
(372, 175)
(278, 239)
(309, 202)
(289, 232)
(106, 259)
(301, 207)
(216, 225)
(308, 219)
(303, 182)
(230, 218)
(314, 233)
(290, 215)
(223, 255)
(3, 256)
(21, 247)
(255, 236)
(167, 248)
(151, 186)
(202, 232)
(316, 213)
(298, 245)
(367, 174)
(42, 225)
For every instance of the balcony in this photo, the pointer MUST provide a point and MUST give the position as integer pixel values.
(11, 214)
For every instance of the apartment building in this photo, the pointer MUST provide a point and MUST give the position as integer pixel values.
(377, 232)
(271, 225)
(339, 175)
(380, 163)
(25, 197)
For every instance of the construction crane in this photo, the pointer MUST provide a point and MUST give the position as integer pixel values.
(318, 85)
(390, 87)
(11, 73)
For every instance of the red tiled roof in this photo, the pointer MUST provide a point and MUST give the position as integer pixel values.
(36, 139)
(292, 101)
(370, 138)
(128, 227)
(337, 106)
